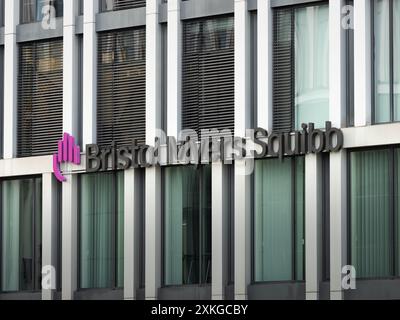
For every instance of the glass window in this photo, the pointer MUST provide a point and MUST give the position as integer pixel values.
(40, 94)
(2, 15)
(350, 63)
(114, 5)
(374, 212)
(36, 10)
(187, 225)
(279, 220)
(102, 230)
(121, 94)
(21, 235)
(387, 70)
(396, 62)
(312, 65)
(301, 66)
(208, 74)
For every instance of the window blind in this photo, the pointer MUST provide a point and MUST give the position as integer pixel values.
(40, 97)
(283, 70)
(121, 112)
(208, 74)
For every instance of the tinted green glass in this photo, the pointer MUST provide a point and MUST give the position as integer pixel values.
(382, 61)
(312, 65)
(21, 241)
(370, 214)
(278, 253)
(101, 230)
(187, 225)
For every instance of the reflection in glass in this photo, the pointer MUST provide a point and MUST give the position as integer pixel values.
(36, 10)
(396, 54)
(312, 65)
(382, 61)
(102, 230)
(21, 242)
(370, 214)
(279, 220)
(187, 225)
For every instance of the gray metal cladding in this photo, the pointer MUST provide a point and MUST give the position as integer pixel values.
(208, 74)
(40, 97)
(121, 91)
(283, 70)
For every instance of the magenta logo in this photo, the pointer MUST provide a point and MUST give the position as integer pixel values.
(68, 152)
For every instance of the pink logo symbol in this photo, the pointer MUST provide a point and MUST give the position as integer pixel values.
(68, 152)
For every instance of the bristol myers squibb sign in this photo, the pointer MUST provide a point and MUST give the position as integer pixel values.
(212, 146)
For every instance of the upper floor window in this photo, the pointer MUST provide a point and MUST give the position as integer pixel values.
(2, 15)
(300, 67)
(114, 5)
(40, 97)
(208, 74)
(387, 66)
(36, 10)
(121, 110)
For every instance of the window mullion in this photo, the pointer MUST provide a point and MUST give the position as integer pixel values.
(391, 60)
(114, 231)
(293, 200)
(1, 236)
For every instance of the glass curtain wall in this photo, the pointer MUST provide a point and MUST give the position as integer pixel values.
(21, 235)
(187, 225)
(102, 230)
(279, 220)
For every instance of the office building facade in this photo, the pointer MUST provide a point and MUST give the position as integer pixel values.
(110, 71)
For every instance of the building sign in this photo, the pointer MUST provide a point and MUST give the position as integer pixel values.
(211, 148)
(68, 152)
(214, 148)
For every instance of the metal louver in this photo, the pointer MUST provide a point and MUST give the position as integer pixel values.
(40, 97)
(121, 101)
(114, 5)
(283, 70)
(208, 74)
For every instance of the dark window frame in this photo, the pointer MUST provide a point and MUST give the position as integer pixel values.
(326, 217)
